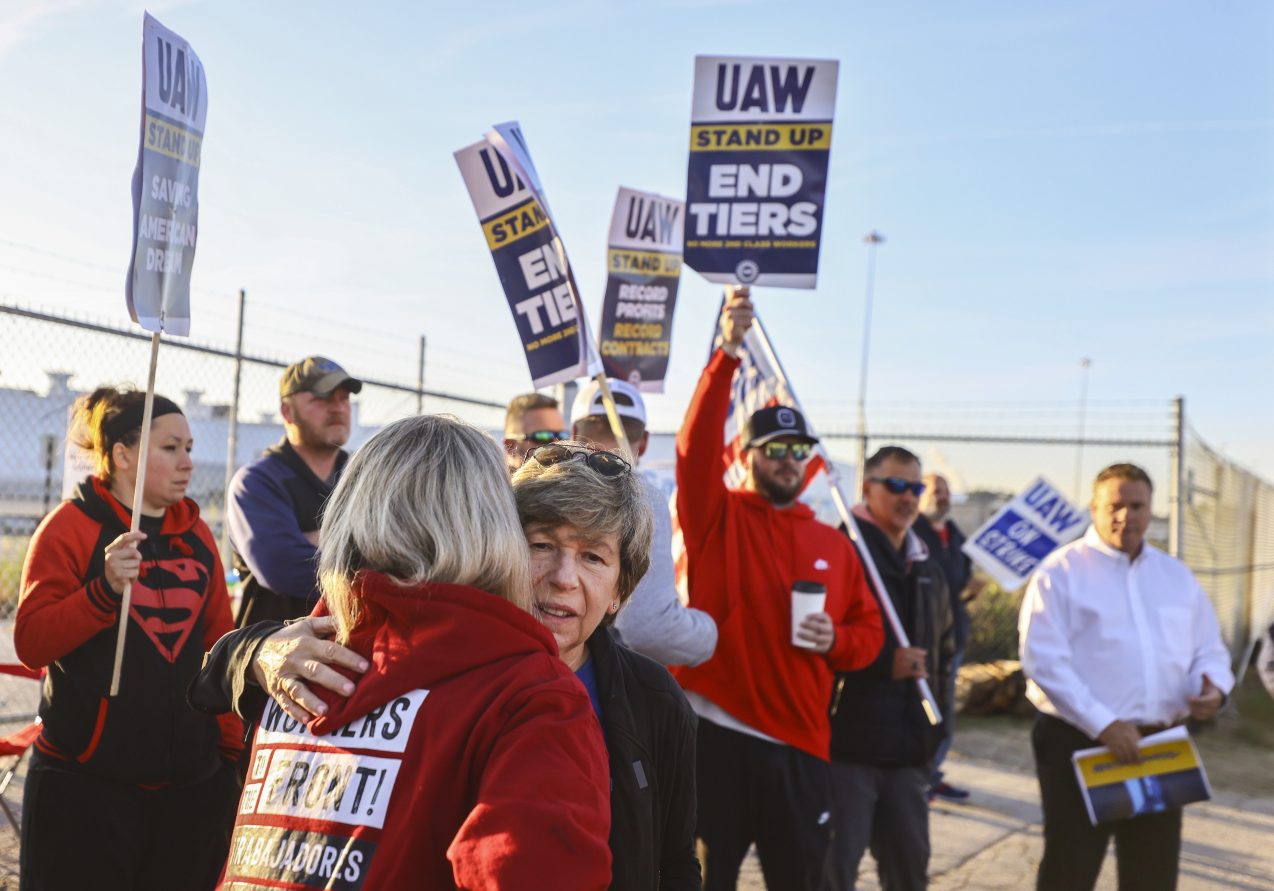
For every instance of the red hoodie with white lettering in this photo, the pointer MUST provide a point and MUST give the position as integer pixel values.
(468, 756)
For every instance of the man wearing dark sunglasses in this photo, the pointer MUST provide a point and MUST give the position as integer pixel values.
(882, 741)
(532, 420)
(762, 698)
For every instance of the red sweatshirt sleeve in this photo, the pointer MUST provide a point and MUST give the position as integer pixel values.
(217, 622)
(701, 490)
(57, 610)
(542, 818)
(859, 632)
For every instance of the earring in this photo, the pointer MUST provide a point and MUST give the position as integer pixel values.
(614, 607)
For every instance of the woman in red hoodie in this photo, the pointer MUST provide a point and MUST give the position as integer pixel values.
(466, 755)
(132, 791)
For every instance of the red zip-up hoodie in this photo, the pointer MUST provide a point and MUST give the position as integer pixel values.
(742, 557)
(468, 756)
(67, 621)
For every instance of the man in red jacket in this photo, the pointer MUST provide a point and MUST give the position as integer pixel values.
(762, 699)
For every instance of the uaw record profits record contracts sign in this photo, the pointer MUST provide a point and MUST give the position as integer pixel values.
(166, 181)
(760, 136)
(1011, 544)
(531, 262)
(643, 269)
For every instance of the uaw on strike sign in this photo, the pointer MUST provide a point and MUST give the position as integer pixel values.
(760, 137)
(1011, 544)
(529, 256)
(643, 270)
(166, 181)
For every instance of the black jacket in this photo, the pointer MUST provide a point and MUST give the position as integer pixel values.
(650, 737)
(875, 719)
(956, 567)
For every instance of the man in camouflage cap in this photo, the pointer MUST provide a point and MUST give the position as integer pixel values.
(275, 501)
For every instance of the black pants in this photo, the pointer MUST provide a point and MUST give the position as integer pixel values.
(81, 832)
(1147, 848)
(750, 790)
(886, 808)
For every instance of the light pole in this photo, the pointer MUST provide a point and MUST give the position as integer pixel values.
(1084, 364)
(871, 239)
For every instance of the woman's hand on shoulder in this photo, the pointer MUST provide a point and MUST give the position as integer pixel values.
(296, 657)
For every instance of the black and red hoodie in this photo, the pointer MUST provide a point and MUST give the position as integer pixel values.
(66, 622)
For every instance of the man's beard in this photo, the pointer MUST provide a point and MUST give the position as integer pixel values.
(320, 438)
(776, 491)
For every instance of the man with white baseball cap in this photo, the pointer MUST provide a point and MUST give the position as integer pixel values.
(653, 621)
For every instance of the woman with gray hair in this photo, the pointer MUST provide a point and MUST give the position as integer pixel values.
(588, 529)
(465, 756)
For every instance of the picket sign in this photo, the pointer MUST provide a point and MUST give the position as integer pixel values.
(1036, 522)
(165, 225)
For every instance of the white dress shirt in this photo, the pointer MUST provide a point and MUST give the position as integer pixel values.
(1105, 638)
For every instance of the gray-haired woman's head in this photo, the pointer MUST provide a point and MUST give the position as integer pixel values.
(425, 499)
(571, 493)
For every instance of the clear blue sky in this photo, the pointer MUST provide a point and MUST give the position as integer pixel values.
(1054, 181)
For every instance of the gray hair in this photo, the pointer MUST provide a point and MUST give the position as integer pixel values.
(426, 499)
(573, 494)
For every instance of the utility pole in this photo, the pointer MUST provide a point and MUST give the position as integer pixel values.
(420, 379)
(1084, 365)
(872, 240)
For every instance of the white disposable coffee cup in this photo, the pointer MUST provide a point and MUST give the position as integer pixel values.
(807, 598)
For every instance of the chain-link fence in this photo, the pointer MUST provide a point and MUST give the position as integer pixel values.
(77, 356)
(1224, 529)
(1227, 538)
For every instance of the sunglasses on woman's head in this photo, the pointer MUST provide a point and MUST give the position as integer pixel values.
(544, 437)
(777, 451)
(896, 485)
(606, 463)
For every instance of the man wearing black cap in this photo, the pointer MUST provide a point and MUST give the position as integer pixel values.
(762, 771)
(276, 500)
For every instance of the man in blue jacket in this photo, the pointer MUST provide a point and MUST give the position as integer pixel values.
(275, 501)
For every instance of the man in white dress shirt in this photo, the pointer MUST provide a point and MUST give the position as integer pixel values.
(1118, 641)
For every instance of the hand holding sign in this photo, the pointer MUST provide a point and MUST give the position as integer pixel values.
(1123, 740)
(123, 561)
(737, 317)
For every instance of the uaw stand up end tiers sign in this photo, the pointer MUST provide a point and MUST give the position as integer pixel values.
(760, 137)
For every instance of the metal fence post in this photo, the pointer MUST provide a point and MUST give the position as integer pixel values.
(232, 424)
(1177, 494)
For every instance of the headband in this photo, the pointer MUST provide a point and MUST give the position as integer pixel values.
(129, 418)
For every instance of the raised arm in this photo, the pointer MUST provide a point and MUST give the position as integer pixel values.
(701, 490)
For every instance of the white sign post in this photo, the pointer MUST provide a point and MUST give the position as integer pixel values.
(165, 223)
